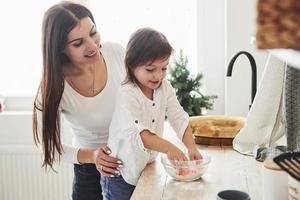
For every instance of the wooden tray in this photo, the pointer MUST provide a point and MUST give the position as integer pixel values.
(213, 141)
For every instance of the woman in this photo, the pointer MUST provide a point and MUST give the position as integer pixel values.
(80, 78)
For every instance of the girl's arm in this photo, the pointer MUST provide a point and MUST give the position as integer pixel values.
(190, 144)
(156, 143)
(179, 120)
(188, 138)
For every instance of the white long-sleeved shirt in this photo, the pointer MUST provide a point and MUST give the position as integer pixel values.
(89, 117)
(134, 112)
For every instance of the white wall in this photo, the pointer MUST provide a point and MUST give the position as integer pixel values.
(226, 28)
(16, 129)
(20, 163)
(239, 28)
(211, 49)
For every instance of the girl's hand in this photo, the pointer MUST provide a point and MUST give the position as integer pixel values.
(174, 153)
(193, 153)
(106, 165)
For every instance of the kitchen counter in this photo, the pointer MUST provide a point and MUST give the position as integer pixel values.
(227, 170)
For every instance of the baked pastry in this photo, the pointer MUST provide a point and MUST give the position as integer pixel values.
(216, 126)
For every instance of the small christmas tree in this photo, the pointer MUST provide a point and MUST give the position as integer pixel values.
(188, 88)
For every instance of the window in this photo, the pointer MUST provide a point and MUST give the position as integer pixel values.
(21, 21)
(176, 19)
(20, 50)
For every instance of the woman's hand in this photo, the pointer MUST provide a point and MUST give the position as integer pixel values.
(106, 165)
(193, 153)
(174, 153)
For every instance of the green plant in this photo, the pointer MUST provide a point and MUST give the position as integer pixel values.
(188, 88)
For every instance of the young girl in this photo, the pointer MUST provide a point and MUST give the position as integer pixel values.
(143, 103)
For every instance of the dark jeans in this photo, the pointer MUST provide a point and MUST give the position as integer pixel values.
(115, 188)
(86, 183)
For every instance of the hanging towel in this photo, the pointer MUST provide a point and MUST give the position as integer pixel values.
(292, 57)
(264, 125)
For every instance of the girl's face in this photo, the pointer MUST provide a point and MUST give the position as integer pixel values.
(83, 43)
(150, 76)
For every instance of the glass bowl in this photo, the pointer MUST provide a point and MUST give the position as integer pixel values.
(186, 170)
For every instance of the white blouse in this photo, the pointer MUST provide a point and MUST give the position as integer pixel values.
(134, 112)
(89, 117)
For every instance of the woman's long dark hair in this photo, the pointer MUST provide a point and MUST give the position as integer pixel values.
(58, 21)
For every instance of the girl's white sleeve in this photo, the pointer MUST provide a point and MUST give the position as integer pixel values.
(177, 117)
(69, 153)
(127, 122)
(124, 137)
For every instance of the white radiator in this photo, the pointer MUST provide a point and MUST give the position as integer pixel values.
(22, 178)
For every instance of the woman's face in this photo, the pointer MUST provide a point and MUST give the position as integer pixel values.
(83, 43)
(150, 76)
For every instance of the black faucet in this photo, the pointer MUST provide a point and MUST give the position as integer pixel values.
(253, 69)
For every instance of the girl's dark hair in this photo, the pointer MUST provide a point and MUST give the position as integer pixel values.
(145, 46)
(58, 21)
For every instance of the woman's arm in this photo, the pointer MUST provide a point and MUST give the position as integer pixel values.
(86, 155)
(106, 164)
